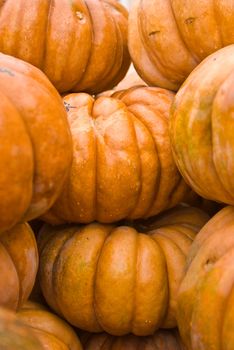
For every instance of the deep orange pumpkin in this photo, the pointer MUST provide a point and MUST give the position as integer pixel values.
(169, 38)
(206, 298)
(122, 161)
(19, 264)
(202, 122)
(53, 332)
(35, 142)
(161, 340)
(115, 279)
(81, 45)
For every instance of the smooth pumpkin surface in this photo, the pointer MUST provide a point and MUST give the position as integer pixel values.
(14, 335)
(161, 340)
(35, 142)
(202, 127)
(116, 279)
(53, 332)
(206, 297)
(169, 38)
(81, 45)
(19, 264)
(122, 161)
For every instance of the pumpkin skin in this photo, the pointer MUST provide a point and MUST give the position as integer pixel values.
(201, 127)
(168, 39)
(19, 264)
(35, 143)
(208, 285)
(81, 45)
(163, 340)
(122, 161)
(14, 335)
(53, 332)
(81, 266)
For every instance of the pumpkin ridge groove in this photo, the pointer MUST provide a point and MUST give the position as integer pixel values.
(135, 281)
(95, 280)
(43, 60)
(158, 177)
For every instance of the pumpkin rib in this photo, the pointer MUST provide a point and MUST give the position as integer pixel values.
(181, 36)
(157, 176)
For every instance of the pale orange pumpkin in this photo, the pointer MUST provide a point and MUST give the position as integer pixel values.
(122, 161)
(205, 311)
(53, 332)
(117, 279)
(19, 264)
(35, 147)
(81, 45)
(169, 38)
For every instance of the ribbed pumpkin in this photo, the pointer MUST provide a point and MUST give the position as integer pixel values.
(81, 45)
(14, 335)
(115, 279)
(19, 264)
(161, 340)
(35, 145)
(168, 39)
(53, 332)
(202, 127)
(122, 161)
(206, 297)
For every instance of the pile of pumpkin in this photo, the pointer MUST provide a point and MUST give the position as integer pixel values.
(124, 182)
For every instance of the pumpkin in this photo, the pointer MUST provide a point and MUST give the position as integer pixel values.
(122, 161)
(163, 340)
(116, 279)
(168, 39)
(14, 335)
(81, 45)
(205, 303)
(53, 332)
(35, 142)
(130, 80)
(19, 264)
(201, 127)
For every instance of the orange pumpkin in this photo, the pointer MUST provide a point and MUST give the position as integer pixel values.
(35, 142)
(122, 161)
(161, 340)
(201, 127)
(115, 279)
(168, 39)
(206, 298)
(19, 264)
(14, 335)
(81, 45)
(53, 332)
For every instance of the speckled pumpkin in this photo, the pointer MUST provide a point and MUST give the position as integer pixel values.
(35, 145)
(81, 45)
(161, 340)
(115, 279)
(53, 332)
(202, 122)
(14, 335)
(205, 310)
(19, 264)
(122, 161)
(169, 38)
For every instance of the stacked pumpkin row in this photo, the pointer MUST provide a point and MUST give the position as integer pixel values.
(105, 172)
